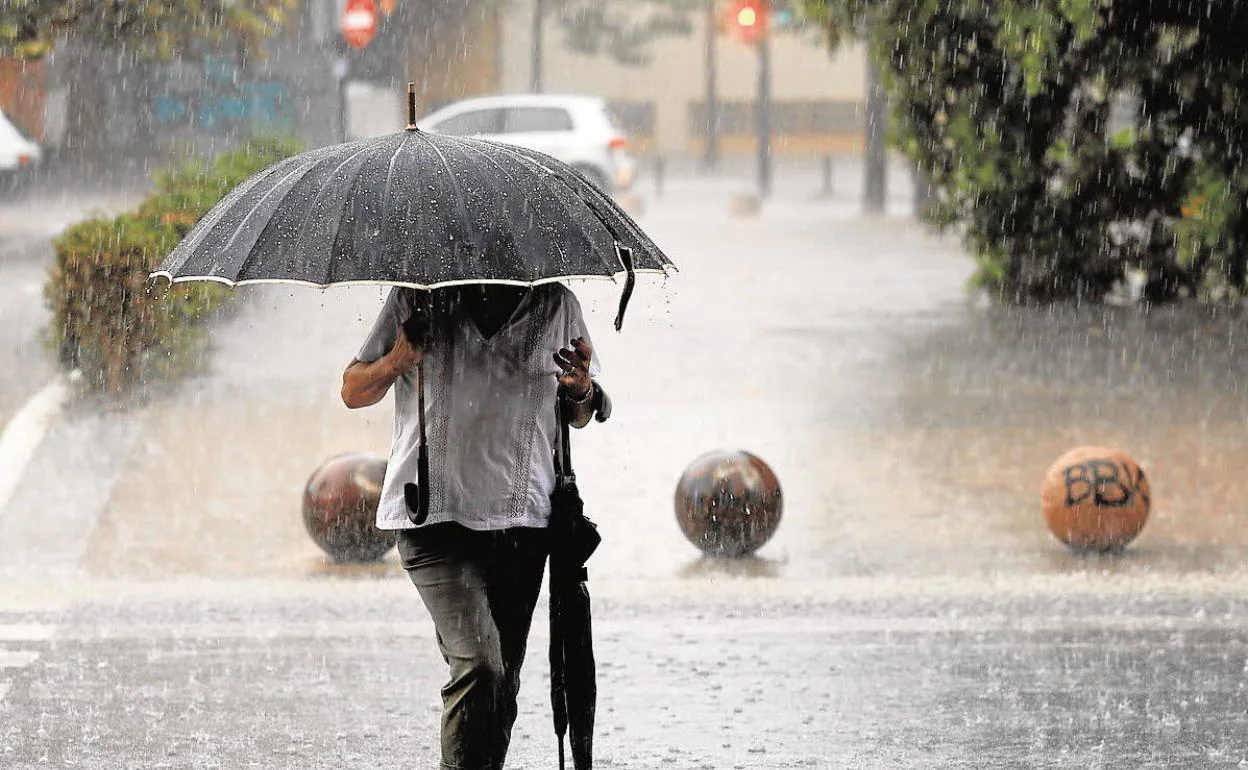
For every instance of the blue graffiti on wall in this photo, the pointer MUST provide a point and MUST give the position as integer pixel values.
(225, 100)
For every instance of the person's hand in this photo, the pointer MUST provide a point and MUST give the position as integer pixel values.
(404, 355)
(574, 363)
(418, 329)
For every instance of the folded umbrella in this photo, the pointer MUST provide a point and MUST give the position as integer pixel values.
(573, 676)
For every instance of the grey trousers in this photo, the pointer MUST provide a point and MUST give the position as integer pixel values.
(480, 589)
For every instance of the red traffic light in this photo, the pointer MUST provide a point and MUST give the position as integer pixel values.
(359, 22)
(747, 20)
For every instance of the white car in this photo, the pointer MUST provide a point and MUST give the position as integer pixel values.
(577, 130)
(18, 155)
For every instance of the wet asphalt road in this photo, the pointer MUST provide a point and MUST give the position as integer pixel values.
(163, 607)
(348, 676)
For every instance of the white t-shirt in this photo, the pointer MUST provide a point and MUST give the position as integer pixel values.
(489, 410)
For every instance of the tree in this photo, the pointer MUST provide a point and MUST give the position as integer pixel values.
(150, 28)
(1073, 140)
(136, 31)
(624, 31)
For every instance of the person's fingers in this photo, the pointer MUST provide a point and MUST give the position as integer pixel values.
(582, 348)
(573, 358)
(564, 362)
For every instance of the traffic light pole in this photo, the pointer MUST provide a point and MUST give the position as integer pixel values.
(763, 117)
(539, 43)
(711, 157)
(875, 189)
(341, 70)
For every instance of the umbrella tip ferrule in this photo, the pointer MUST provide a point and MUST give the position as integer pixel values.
(411, 106)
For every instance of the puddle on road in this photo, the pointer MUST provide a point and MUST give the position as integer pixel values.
(984, 404)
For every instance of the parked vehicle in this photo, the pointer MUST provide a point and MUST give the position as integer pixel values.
(18, 155)
(577, 130)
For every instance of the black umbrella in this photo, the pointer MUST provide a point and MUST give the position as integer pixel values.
(420, 210)
(573, 678)
(416, 209)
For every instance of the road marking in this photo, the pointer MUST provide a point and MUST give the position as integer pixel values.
(25, 632)
(17, 658)
(13, 659)
(22, 436)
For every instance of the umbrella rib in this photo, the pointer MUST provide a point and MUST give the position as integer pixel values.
(459, 198)
(549, 230)
(210, 220)
(530, 161)
(230, 243)
(643, 240)
(385, 198)
(312, 209)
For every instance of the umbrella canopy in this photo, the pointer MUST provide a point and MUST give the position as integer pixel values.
(415, 209)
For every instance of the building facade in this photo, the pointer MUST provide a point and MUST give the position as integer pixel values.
(662, 97)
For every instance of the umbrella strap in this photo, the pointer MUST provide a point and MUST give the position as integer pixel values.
(626, 259)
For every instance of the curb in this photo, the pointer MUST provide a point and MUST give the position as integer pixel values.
(22, 435)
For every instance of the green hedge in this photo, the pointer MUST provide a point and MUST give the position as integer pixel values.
(107, 321)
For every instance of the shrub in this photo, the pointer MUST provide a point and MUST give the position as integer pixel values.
(1075, 142)
(107, 320)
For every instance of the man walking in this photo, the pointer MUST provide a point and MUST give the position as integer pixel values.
(496, 361)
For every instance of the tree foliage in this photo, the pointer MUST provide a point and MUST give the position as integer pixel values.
(624, 31)
(151, 28)
(1074, 140)
(108, 321)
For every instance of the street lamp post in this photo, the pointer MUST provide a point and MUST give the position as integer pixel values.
(752, 21)
(875, 189)
(711, 157)
(341, 70)
(539, 42)
(763, 118)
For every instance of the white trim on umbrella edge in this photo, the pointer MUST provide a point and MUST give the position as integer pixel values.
(426, 287)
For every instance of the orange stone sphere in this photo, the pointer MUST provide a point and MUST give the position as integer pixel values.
(1095, 499)
(340, 507)
(728, 503)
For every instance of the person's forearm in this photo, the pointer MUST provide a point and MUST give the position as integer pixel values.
(366, 383)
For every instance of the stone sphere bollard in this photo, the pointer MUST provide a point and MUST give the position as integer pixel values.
(728, 503)
(1095, 499)
(340, 505)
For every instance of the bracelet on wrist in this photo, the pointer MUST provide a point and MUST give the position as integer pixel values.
(589, 393)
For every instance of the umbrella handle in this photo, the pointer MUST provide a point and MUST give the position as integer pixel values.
(411, 106)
